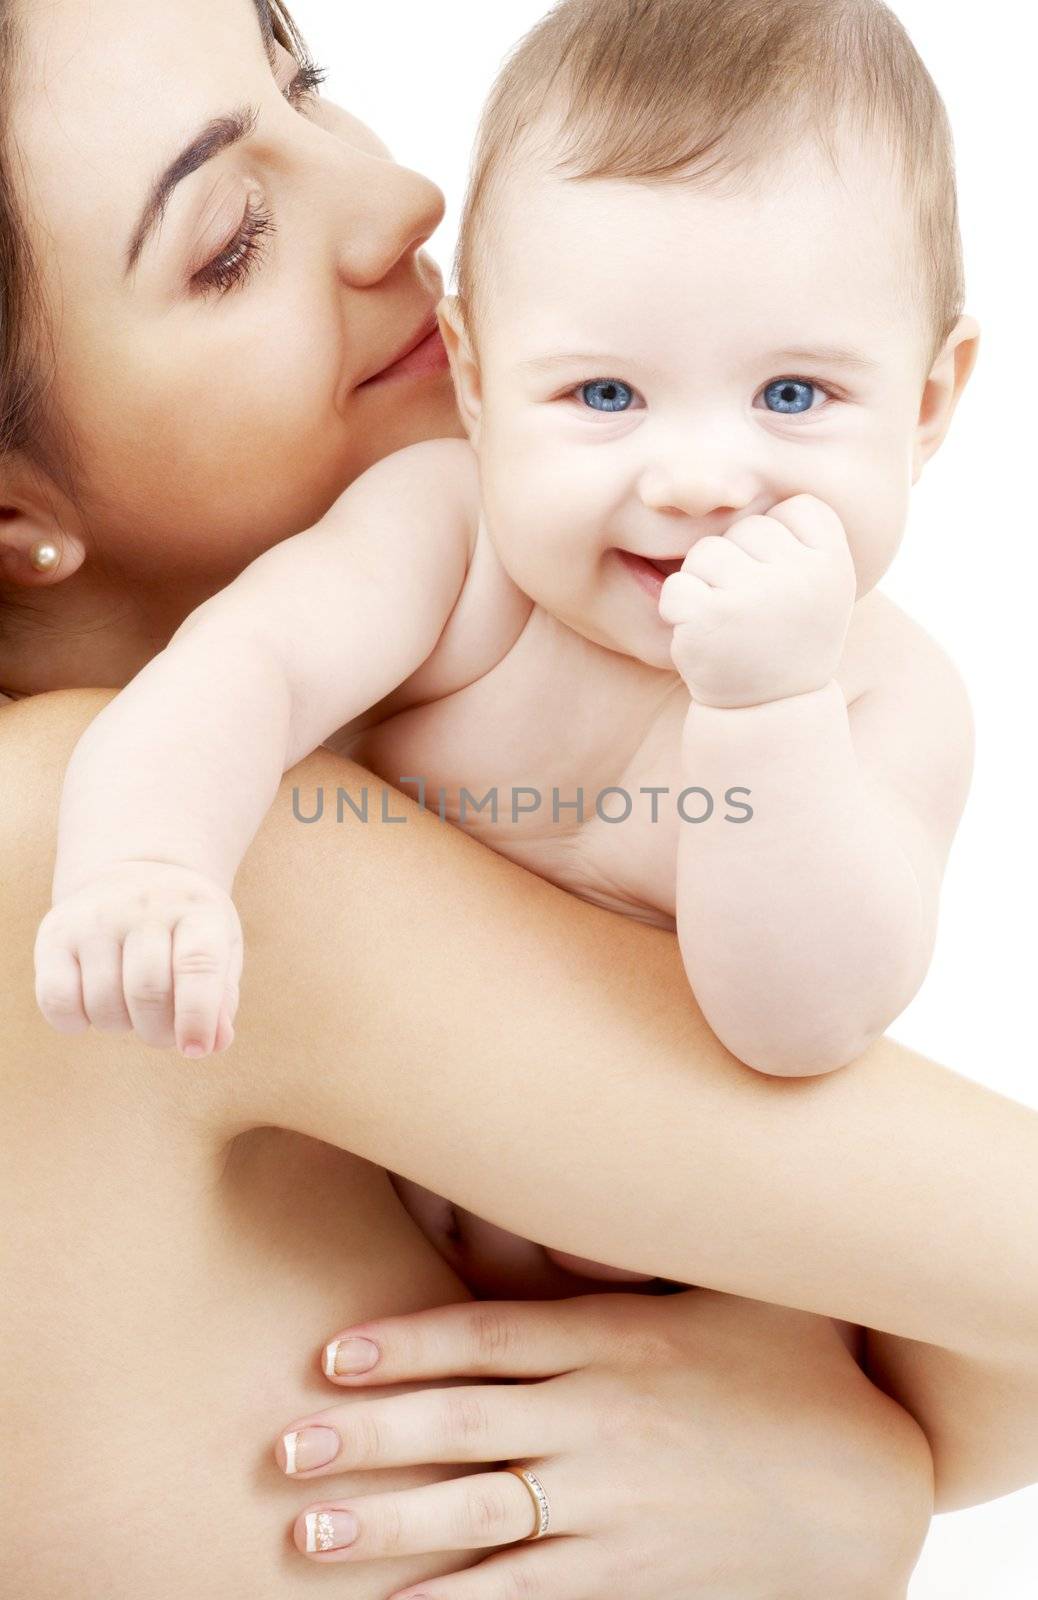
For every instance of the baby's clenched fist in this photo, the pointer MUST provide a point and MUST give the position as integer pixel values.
(144, 946)
(761, 613)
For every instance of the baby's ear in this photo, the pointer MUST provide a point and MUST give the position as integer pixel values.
(464, 366)
(948, 377)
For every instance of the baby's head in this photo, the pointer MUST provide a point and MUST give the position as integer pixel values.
(709, 259)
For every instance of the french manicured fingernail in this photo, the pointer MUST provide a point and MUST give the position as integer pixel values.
(344, 1357)
(329, 1530)
(308, 1448)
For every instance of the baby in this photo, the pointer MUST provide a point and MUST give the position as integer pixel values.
(708, 330)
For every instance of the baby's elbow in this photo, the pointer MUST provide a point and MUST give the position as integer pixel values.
(778, 1064)
(802, 1055)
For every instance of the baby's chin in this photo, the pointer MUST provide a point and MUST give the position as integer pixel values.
(648, 644)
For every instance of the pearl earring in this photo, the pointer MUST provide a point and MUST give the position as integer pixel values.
(44, 556)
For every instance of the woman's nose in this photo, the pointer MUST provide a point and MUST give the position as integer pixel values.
(389, 213)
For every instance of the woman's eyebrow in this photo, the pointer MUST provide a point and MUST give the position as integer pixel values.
(217, 135)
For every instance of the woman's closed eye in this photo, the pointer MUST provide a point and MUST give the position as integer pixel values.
(233, 265)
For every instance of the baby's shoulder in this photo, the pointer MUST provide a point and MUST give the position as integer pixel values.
(886, 648)
(911, 712)
(487, 620)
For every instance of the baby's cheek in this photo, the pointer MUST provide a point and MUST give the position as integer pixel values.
(873, 507)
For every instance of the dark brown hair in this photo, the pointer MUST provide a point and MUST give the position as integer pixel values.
(694, 90)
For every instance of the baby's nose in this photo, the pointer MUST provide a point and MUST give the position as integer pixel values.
(697, 481)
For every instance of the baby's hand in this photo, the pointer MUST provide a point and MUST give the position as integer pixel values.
(761, 613)
(143, 945)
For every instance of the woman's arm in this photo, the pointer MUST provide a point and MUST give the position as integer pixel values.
(434, 1008)
(467, 1024)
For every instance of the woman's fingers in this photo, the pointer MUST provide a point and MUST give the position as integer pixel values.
(500, 1338)
(490, 1423)
(558, 1569)
(476, 1513)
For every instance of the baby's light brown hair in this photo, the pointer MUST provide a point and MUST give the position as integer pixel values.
(701, 90)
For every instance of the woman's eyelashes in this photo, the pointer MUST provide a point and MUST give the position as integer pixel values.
(307, 81)
(233, 265)
(788, 397)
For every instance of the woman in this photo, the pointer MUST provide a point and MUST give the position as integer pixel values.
(181, 1240)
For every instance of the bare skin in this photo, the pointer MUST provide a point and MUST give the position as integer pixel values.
(171, 1276)
(176, 1256)
(894, 1129)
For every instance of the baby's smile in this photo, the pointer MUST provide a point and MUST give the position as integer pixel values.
(647, 572)
(656, 362)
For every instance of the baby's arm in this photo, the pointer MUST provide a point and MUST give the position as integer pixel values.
(806, 929)
(169, 784)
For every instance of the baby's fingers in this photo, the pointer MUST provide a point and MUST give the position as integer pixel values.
(148, 982)
(101, 967)
(202, 963)
(225, 1026)
(59, 990)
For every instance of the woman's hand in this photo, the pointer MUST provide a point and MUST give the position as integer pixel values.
(687, 1444)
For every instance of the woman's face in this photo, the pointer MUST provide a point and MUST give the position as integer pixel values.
(217, 411)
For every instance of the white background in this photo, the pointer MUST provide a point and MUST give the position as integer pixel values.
(417, 72)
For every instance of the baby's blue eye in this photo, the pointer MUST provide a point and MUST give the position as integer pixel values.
(607, 394)
(790, 395)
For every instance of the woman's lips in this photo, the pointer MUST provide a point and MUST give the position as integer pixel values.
(425, 359)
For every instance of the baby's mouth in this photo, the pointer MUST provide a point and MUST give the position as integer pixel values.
(650, 571)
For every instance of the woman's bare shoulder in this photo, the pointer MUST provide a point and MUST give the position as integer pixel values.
(37, 737)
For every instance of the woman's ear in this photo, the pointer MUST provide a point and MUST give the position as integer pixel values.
(464, 367)
(35, 550)
(948, 377)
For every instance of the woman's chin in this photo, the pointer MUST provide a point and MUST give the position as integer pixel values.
(407, 411)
